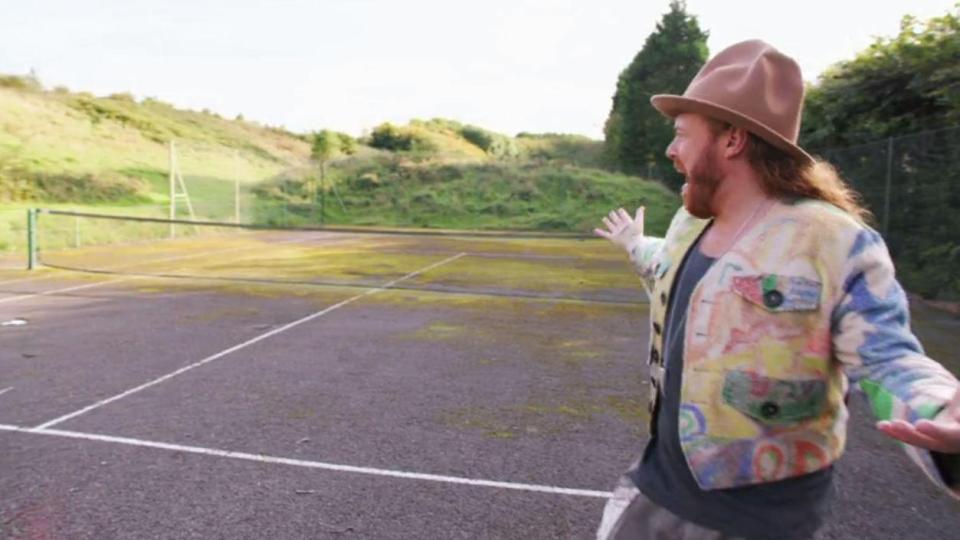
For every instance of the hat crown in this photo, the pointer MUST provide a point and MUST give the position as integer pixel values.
(756, 81)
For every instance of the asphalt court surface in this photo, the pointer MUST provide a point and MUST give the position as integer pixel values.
(432, 397)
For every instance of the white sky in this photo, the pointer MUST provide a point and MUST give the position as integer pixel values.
(507, 65)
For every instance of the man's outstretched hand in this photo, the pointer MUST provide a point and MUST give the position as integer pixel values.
(942, 434)
(621, 229)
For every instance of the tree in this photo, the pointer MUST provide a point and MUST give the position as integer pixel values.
(889, 120)
(636, 135)
(897, 85)
(326, 146)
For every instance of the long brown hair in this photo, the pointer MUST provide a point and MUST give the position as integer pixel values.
(785, 176)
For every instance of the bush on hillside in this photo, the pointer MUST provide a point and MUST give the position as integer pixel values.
(494, 144)
(386, 136)
(22, 185)
(21, 82)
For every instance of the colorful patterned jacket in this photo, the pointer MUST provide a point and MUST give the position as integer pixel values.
(805, 301)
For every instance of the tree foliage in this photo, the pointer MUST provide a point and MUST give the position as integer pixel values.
(898, 85)
(329, 144)
(387, 136)
(636, 135)
(889, 119)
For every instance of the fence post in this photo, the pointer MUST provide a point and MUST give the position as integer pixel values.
(31, 238)
(886, 195)
(173, 190)
(236, 200)
(323, 195)
(236, 186)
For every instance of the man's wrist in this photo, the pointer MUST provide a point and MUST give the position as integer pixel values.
(632, 244)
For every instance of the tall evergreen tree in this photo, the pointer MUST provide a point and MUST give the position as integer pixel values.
(636, 135)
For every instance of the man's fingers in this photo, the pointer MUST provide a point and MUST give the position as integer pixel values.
(603, 233)
(906, 432)
(610, 226)
(614, 218)
(639, 217)
(948, 433)
(623, 215)
(953, 408)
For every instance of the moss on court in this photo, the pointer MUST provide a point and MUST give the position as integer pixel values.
(546, 418)
(233, 312)
(503, 265)
(440, 331)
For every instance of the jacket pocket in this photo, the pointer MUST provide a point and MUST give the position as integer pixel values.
(779, 293)
(774, 401)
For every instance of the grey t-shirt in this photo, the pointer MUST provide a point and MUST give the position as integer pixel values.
(786, 509)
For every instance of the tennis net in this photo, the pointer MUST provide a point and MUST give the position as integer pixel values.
(500, 263)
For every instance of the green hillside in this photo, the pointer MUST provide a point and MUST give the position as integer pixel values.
(398, 190)
(111, 154)
(69, 147)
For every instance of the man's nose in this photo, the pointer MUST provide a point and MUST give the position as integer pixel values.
(671, 152)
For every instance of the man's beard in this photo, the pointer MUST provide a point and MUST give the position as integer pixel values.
(702, 183)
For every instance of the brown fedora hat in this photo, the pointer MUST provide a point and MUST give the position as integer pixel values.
(750, 85)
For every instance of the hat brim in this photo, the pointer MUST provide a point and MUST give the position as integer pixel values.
(671, 106)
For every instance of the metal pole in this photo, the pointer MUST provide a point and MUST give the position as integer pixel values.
(236, 200)
(236, 187)
(323, 196)
(31, 239)
(886, 197)
(173, 190)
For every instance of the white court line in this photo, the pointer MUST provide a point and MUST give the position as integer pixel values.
(5, 390)
(25, 296)
(260, 458)
(247, 343)
(18, 297)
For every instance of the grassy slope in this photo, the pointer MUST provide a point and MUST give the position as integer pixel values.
(392, 190)
(61, 149)
(67, 150)
(73, 135)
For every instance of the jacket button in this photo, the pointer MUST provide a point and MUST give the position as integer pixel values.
(769, 409)
(656, 328)
(663, 298)
(773, 299)
(654, 357)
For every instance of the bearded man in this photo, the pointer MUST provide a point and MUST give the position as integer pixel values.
(769, 296)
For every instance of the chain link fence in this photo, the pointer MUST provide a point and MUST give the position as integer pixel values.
(911, 183)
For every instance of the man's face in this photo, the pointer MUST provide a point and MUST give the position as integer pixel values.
(694, 152)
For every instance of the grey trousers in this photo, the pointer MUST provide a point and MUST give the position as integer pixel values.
(629, 515)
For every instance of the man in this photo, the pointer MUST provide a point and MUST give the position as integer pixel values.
(769, 296)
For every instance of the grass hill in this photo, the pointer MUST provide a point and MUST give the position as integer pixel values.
(74, 147)
(110, 154)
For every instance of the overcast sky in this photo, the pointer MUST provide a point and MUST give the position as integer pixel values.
(507, 65)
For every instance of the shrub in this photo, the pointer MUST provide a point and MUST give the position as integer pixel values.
(20, 82)
(386, 136)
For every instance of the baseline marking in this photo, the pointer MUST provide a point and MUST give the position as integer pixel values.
(5, 390)
(260, 458)
(245, 344)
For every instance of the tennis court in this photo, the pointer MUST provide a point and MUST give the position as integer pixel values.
(235, 382)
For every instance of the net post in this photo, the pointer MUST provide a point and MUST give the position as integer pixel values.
(31, 238)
